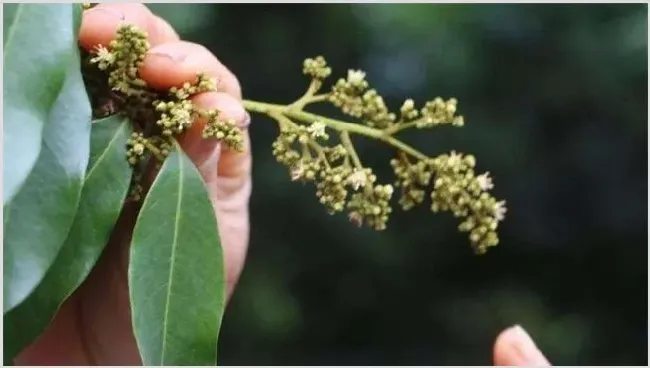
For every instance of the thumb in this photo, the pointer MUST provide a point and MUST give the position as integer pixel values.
(514, 347)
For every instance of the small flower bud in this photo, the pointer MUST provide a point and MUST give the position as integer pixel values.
(138, 148)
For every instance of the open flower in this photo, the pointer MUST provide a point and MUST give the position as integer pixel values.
(484, 181)
(357, 179)
(356, 77)
(317, 130)
(500, 210)
(104, 58)
(297, 172)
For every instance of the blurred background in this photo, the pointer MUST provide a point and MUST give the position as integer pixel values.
(555, 103)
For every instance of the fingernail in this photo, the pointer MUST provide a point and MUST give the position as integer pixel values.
(113, 13)
(526, 348)
(229, 108)
(246, 122)
(172, 53)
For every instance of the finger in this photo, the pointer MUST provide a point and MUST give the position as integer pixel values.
(215, 162)
(162, 32)
(514, 347)
(99, 24)
(174, 63)
(227, 174)
(202, 151)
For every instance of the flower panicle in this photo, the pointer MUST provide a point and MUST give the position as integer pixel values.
(342, 182)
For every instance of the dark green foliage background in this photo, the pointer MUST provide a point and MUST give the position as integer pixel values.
(555, 100)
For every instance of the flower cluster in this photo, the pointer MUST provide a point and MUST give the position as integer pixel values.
(372, 206)
(305, 142)
(174, 111)
(438, 112)
(157, 117)
(342, 183)
(225, 131)
(413, 179)
(457, 189)
(136, 147)
(408, 112)
(175, 116)
(353, 96)
(331, 190)
(203, 84)
(123, 58)
(316, 68)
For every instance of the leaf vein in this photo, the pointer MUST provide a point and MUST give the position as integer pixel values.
(173, 258)
(105, 151)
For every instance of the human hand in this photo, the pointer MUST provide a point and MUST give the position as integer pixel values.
(93, 327)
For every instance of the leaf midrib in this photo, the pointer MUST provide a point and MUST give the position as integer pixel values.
(173, 258)
(105, 151)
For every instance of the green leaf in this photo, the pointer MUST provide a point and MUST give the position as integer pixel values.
(38, 218)
(105, 188)
(8, 15)
(40, 40)
(176, 271)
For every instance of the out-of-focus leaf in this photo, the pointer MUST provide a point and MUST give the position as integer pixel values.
(105, 187)
(38, 218)
(39, 41)
(8, 15)
(176, 272)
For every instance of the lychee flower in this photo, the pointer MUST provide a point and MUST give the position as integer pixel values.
(104, 57)
(485, 182)
(317, 130)
(356, 77)
(357, 179)
(500, 210)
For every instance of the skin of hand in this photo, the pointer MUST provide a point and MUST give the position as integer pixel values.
(93, 327)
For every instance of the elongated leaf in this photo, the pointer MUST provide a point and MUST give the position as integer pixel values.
(38, 218)
(176, 274)
(105, 187)
(40, 40)
(8, 14)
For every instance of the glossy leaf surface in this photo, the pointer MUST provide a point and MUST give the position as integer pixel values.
(38, 218)
(104, 190)
(176, 274)
(39, 42)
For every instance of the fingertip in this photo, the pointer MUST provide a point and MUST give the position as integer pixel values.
(174, 63)
(202, 150)
(514, 347)
(162, 31)
(163, 67)
(99, 24)
(501, 353)
(227, 105)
